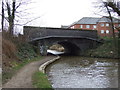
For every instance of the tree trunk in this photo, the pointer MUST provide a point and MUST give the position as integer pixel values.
(11, 28)
(112, 27)
(11, 17)
(111, 24)
(2, 22)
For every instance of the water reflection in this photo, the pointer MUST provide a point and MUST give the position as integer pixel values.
(81, 72)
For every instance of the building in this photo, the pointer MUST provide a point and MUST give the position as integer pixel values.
(102, 25)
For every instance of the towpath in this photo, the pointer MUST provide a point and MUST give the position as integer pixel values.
(23, 78)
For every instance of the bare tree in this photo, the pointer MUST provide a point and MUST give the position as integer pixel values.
(13, 11)
(11, 15)
(110, 17)
(111, 7)
(114, 5)
(9, 10)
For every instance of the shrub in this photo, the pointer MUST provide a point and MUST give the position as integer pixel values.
(9, 48)
(26, 51)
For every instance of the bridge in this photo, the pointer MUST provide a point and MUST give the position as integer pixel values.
(74, 41)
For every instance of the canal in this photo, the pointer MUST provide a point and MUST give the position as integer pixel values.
(83, 72)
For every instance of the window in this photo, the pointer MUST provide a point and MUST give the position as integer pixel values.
(72, 27)
(102, 25)
(114, 27)
(102, 31)
(87, 26)
(94, 26)
(81, 26)
(107, 31)
(107, 24)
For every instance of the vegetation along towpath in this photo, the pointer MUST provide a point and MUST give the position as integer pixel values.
(23, 78)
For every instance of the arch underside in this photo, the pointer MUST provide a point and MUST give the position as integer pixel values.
(70, 48)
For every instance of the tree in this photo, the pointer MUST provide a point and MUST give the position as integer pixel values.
(11, 15)
(110, 16)
(111, 7)
(114, 5)
(13, 11)
(9, 10)
(2, 21)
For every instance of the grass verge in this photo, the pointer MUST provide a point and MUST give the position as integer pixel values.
(40, 80)
(17, 65)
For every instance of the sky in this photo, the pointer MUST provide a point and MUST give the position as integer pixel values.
(54, 13)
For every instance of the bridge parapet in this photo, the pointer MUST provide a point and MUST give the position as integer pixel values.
(32, 33)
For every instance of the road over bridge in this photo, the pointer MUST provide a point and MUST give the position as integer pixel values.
(74, 41)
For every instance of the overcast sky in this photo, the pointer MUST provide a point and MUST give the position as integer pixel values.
(55, 13)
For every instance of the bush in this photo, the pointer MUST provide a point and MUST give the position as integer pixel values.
(26, 51)
(106, 50)
(9, 48)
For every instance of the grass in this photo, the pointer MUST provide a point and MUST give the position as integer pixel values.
(40, 80)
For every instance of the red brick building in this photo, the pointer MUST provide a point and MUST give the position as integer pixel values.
(102, 25)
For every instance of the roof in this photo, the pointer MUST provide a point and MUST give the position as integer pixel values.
(63, 26)
(93, 20)
(88, 20)
(107, 19)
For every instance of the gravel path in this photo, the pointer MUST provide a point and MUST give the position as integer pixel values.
(23, 79)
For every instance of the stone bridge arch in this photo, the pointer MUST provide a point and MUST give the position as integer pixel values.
(72, 46)
(73, 40)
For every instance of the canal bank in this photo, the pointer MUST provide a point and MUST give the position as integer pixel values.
(44, 65)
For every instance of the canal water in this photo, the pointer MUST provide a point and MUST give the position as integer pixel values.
(83, 72)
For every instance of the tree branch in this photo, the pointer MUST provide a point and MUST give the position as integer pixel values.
(28, 21)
